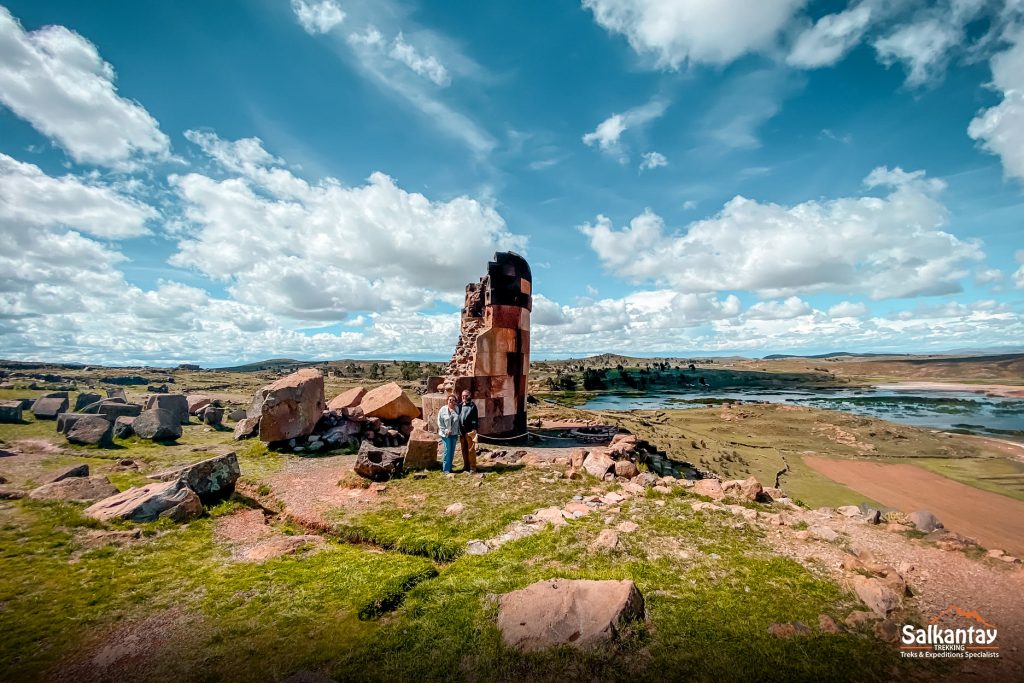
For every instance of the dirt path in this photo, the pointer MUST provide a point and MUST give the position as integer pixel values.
(994, 520)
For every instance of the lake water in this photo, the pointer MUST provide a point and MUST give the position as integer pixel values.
(946, 410)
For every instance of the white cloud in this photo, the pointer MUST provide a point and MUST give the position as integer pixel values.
(848, 309)
(744, 104)
(429, 66)
(30, 199)
(1018, 276)
(404, 73)
(886, 247)
(606, 135)
(792, 307)
(709, 31)
(988, 276)
(830, 38)
(653, 160)
(1000, 129)
(318, 251)
(690, 204)
(318, 17)
(56, 80)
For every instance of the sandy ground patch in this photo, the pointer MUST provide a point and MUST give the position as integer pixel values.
(994, 520)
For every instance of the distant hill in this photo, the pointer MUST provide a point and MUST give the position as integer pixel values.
(270, 364)
(836, 354)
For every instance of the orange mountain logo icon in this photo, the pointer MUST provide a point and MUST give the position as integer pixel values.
(957, 611)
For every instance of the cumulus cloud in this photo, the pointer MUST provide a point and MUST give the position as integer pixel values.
(31, 199)
(792, 307)
(318, 17)
(831, 37)
(709, 31)
(885, 247)
(1018, 276)
(316, 251)
(606, 135)
(848, 309)
(56, 80)
(653, 160)
(1000, 129)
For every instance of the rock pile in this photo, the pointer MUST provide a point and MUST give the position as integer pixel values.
(291, 413)
(619, 459)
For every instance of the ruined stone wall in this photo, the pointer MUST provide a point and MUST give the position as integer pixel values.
(492, 356)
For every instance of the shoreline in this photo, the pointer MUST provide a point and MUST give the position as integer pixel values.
(1001, 390)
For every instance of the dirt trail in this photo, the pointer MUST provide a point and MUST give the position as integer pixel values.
(994, 520)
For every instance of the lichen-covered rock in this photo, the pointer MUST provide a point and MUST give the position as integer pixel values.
(171, 499)
(10, 412)
(123, 427)
(48, 408)
(157, 425)
(291, 406)
(213, 479)
(598, 463)
(579, 613)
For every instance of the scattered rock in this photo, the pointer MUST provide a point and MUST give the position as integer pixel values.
(646, 479)
(888, 630)
(48, 408)
(213, 479)
(377, 465)
(175, 404)
(823, 533)
(857, 618)
(421, 449)
(627, 527)
(551, 515)
(280, 545)
(874, 593)
(849, 511)
(626, 469)
(123, 427)
(81, 470)
(827, 624)
(91, 430)
(237, 414)
(750, 488)
(247, 428)
(170, 499)
(197, 403)
(157, 425)
(606, 541)
(388, 402)
(712, 488)
(290, 407)
(455, 509)
(578, 613)
(76, 489)
(924, 521)
(10, 412)
(598, 463)
(85, 398)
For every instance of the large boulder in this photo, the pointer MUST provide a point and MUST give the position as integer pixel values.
(10, 412)
(749, 489)
(175, 404)
(65, 421)
(213, 479)
(212, 416)
(123, 427)
(291, 406)
(421, 449)
(598, 463)
(48, 408)
(876, 594)
(388, 402)
(170, 499)
(91, 430)
(86, 398)
(377, 465)
(80, 470)
(712, 488)
(157, 425)
(347, 399)
(579, 613)
(76, 489)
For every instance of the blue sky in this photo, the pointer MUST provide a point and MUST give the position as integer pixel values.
(222, 182)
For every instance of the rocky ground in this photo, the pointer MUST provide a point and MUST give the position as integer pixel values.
(311, 568)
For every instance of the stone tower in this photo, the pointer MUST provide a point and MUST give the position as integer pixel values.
(492, 356)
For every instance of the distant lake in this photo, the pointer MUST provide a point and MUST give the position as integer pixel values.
(945, 410)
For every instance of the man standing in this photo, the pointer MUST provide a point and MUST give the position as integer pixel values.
(470, 420)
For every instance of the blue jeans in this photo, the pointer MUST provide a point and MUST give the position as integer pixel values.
(449, 452)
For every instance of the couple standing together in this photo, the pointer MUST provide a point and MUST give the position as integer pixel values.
(458, 421)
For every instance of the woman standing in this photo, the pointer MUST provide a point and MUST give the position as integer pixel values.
(448, 426)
